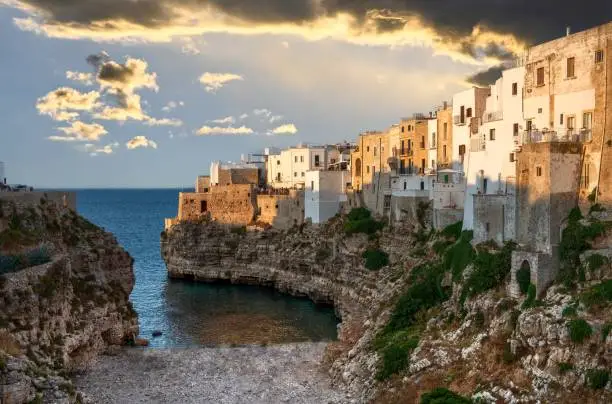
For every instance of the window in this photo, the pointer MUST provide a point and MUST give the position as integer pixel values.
(387, 202)
(561, 119)
(539, 110)
(491, 134)
(485, 182)
(570, 67)
(461, 149)
(375, 150)
(368, 149)
(444, 152)
(587, 120)
(368, 169)
(468, 113)
(296, 159)
(405, 185)
(445, 129)
(278, 162)
(599, 56)
(539, 171)
(318, 162)
(402, 147)
(422, 142)
(571, 124)
(487, 227)
(301, 159)
(540, 76)
(512, 157)
(585, 175)
(514, 88)
(278, 177)
(446, 178)
(403, 129)
(433, 139)
(302, 173)
(422, 185)
(515, 129)
(295, 173)
(422, 165)
(203, 206)
(462, 114)
(433, 164)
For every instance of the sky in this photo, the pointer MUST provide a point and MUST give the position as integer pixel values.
(146, 93)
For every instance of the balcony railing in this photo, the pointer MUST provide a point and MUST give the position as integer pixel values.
(566, 135)
(406, 152)
(492, 116)
(459, 120)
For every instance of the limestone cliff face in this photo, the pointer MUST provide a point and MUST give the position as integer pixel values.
(488, 346)
(318, 262)
(64, 312)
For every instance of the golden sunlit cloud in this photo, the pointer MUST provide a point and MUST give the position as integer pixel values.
(61, 104)
(140, 141)
(208, 131)
(287, 129)
(215, 81)
(83, 78)
(79, 131)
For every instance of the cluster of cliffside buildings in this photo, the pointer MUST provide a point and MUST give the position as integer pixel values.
(509, 160)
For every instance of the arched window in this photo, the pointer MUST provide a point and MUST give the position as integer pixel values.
(358, 167)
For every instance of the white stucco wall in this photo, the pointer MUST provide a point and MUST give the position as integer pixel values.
(490, 159)
(292, 165)
(461, 132)
(324, 192)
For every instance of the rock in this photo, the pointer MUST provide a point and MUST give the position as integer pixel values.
(141, 342)
(156, 334)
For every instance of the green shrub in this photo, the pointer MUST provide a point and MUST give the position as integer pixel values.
(576, 239)
(453, 230)
(459, 255)
(569, 311)
(605, 331)
(579, 330)
(596, 208)
(490, 270)
(367, 226)
(395, 358)
(323, 253)
(359, 214)
(441, 395)
(598, 295)
(565, 367)
(596, 261)
(597, 378)
(523, 278)
(375, 259)
(440, 246)
(531, 296)
(507, 356)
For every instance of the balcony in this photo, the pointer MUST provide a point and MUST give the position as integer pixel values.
(406, 152)
(564, 135)
(492, 116)
(459, 120)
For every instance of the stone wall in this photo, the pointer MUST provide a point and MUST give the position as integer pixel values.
(202, 183)
(446, 217)
(233, 204)
(406, 208)
(548, 175)
(23, 199)
(543, 269)
(234, 176)
(374, 194)
(494, 218)
(281, 211)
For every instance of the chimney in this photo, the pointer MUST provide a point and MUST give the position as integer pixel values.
(430, 114)
(568, 30)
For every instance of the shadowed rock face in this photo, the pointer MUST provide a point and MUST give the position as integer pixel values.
(64, 312)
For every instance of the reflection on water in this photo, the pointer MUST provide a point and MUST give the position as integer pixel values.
(188, 313)
(213, 314)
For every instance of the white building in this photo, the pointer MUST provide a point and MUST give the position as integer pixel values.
(288, 168)
(467, 105)
(432, 154)
(325, 190)
(491, 165)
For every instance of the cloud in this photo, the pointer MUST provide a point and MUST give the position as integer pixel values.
(85, 78)
(172, 105)
(228, 120)
(486, 77)
(94, 150)
(207, 130)
(149, 121)
(189, 46)
(287, 129)
(61, 104)
(244, 116)
(79, 131)
(215, 81)
(140, 141)
(267, 114)
(468, 27)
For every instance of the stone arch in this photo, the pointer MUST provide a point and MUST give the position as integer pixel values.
(523, 276)
(358, 167)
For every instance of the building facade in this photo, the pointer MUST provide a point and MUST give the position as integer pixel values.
(325, 192)
(288, 169)
(444, 146)
(370, 157)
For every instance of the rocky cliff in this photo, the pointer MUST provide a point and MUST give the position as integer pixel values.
(431, 312)
(64, 289)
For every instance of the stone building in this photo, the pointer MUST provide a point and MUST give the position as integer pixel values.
(370, 157)
(414, 145)
(444, 146)
(568, 85)
(281, 210)
(325, 193)
(234, 173)
(548, 178)
(202, 183)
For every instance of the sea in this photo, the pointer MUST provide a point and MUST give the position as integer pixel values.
(195, 314)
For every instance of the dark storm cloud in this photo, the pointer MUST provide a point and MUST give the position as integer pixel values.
(530, 20)
(486, 77)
